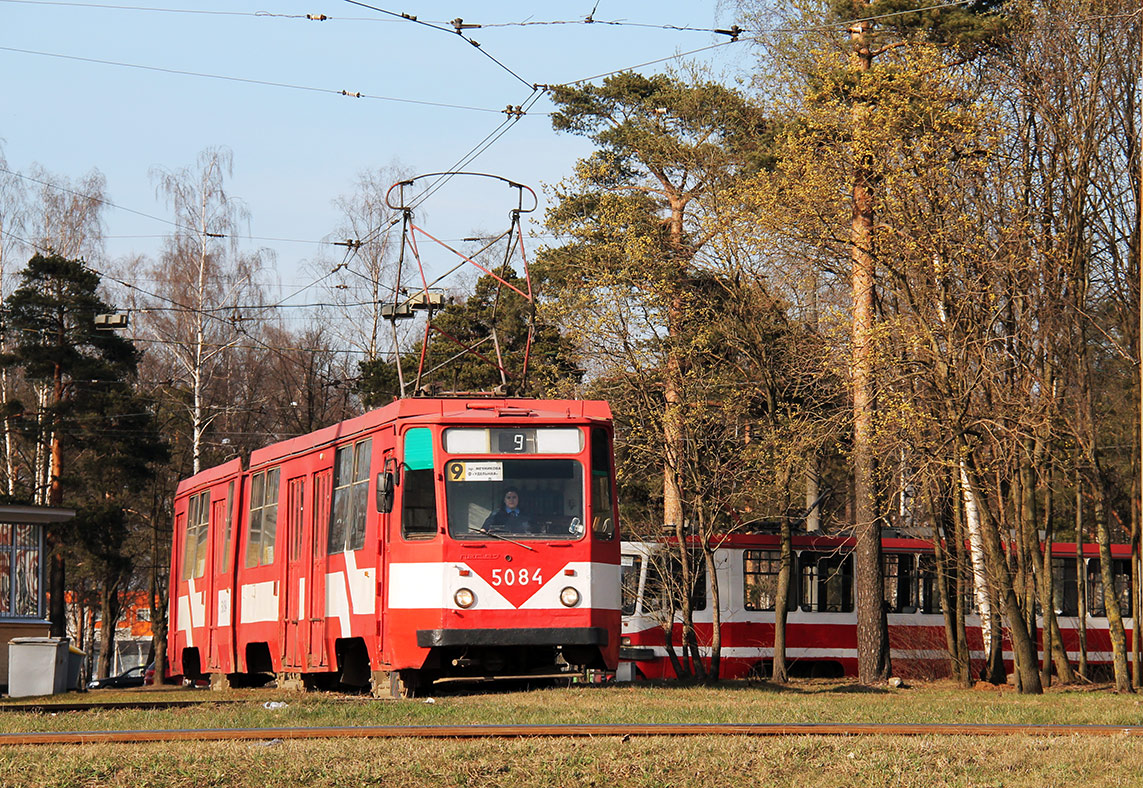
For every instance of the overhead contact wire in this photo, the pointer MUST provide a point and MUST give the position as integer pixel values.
(455, 31)
(245, 80)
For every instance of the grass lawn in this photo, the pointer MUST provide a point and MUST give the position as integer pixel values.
(610, 760)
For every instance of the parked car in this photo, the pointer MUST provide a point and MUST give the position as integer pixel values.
(149, 675)
(132, 677)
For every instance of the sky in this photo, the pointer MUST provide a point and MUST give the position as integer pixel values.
(130, 87)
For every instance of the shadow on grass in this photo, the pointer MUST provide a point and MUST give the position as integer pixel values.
(859, 689)
(795, 687)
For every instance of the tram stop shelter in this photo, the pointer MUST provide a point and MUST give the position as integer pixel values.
(23, 579)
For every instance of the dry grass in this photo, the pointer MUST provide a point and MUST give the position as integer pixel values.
(660, 761)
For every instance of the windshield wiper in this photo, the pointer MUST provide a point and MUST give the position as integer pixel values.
(495, 535)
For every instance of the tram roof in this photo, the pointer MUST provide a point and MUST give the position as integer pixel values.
(425, 411)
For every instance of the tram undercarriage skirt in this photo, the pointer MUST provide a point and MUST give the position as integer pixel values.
(577, 636)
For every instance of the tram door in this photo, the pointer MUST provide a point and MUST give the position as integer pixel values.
(218, 607)
(388, 465)
(295, 635)
(318, 533)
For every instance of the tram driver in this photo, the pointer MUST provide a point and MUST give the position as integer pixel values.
(509, 516)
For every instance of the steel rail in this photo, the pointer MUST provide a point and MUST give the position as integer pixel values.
(115, 705)
(536, 731)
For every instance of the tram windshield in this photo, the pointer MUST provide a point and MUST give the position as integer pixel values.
(527, 498)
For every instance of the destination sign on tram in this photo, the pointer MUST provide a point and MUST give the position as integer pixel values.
(475, 471)
(512, 440)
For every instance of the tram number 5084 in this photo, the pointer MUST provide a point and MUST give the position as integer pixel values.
(515, 577)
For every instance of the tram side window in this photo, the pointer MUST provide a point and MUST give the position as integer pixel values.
(827, 583)
(664, 589)
(1121, 574)
(629, 582)
(350, 497)
(194, 546)
(418, 495)
(226, 546)
(1065, 589)
(296, 501)
(760, 580)
(263, 528)
(900, 585)
(931, 599)
(602, 515)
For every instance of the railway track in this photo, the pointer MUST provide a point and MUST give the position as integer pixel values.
(145, 705)
(579, 731)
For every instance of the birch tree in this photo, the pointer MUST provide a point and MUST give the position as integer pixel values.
(362, 276)
(207, 286)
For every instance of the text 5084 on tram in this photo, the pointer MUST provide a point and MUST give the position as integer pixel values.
(429, 539)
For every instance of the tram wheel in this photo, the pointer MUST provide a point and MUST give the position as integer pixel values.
(404, 683)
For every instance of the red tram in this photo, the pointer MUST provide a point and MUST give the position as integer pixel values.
(373, 547)
(821, 626)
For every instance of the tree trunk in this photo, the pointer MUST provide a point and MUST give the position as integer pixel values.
(961, 592)
(778, 672)
(873, 663)
(57, 606)
(1022, 645)
(1081, 581)
(691, 660)
(813, 492)
(989, 632)
(1054, 651)
(715, 613)
(1136, 596)
(1040, 566)
(110, 608)
(945, 540)
(1111, 606)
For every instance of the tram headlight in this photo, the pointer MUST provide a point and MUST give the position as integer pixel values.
(464, 598)
(569, 597)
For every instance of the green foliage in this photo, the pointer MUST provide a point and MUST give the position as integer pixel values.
(51, 321)
(100, 419)
(697, 358)
(970, 29)
(663, 126)
(97, 431)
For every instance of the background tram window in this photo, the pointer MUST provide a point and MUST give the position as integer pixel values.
(629, 583)
(760, 570)
(1065, 589)
(930, 600)
(664, 589)
(1121, 572)
(827, 583)
(899, 579)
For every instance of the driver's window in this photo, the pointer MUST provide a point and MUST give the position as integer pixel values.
(418, 486)
(602, 510)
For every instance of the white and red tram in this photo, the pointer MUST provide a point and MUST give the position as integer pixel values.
(368, 547)
(821, 626)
